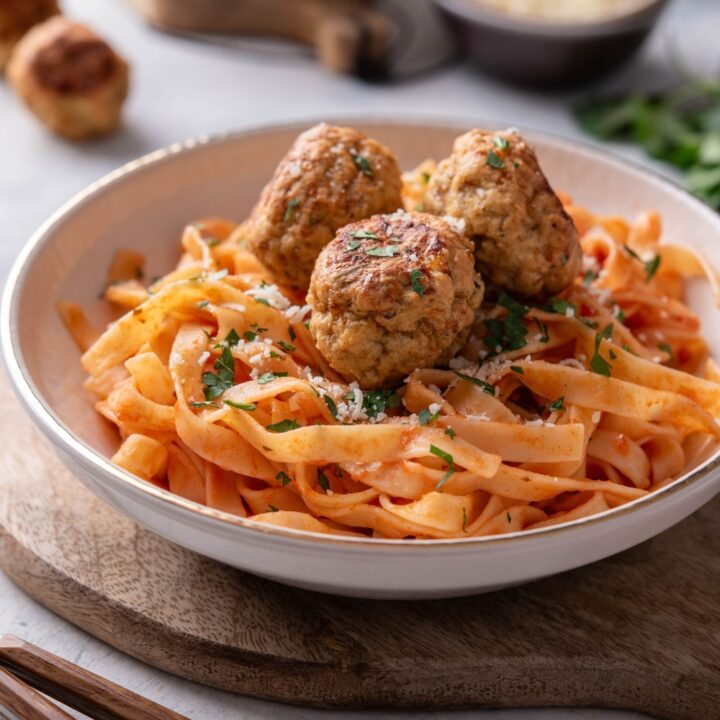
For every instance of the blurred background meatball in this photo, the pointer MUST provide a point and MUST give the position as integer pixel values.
(391, 294)
(16, 18)
(332, 176)
(70, 78)
(525, 242)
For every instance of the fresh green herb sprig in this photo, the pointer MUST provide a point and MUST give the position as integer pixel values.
(679, 125)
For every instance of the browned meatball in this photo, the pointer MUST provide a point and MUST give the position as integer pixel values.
(332, 176)
(525, 242)
(70, 78)
(391, 294)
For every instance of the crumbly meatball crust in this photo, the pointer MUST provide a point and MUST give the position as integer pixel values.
(391, 294)
(525, 242)
(70, 78)
(332, 176)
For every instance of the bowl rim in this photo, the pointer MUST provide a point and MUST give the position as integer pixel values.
(478, 13)
(63, 437)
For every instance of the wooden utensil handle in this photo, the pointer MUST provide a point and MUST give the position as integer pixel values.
(25, 702)
(76, 687)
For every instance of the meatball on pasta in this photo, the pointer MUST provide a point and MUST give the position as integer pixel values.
(525, 243)
(70, 78)
(391, 294)
(332, 176)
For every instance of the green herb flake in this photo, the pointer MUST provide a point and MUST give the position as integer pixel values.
(267, 377)
(323, 481)
(362, 164)
(364, 235)
(589, 277)
(232, 338)
(353, 245)
(557, 405)
(509, 517)
(383, 251)
(290, 210)
(494, 160)
(291, 333)
(272, 508)
(332, 407)
(216, 384)
(517, 369)
(450, 433)
(211, 242)
(465, 520)
(666, 349)
(349, 395)
(446, 458)
(287, 347)
(263, 301)
(560, 306)
(203, 304)
(607, 332)
(543, 331)
(425, 177)
(249, 335)
(598, 364)
(283, 426)
(651, 266)
(248, 407)
(486, 387)
(378, 401)
(415, 280)
(501, 142)
(510, 332)
(284, 478)
(204, 403)
(425, 417)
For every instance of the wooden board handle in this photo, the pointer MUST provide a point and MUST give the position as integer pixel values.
(76, 687)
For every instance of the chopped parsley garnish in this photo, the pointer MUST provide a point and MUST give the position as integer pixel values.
(349, 395)
(291, 333)
(263, 301)
(589, 277)
(447, 458)
(216, 385)
(509, 517)
(509, 333)
(290, 209)
(612, 354)
(598, 364)
(362, 164)
(425, 417)
(364, 235)
(486, 387)
(249, 335)
(204, 403)
(494, 160)
(517, 369)
(203, 304)
(450, 433)
(272, 508)
(666, 348)
(353, 245)
(377, 401)
(323, 481)
(607, 332)
(287, 347)
(282, 426)
(219, 275)
(501, 142)
(284, 478)
(383, 251)
(464, 524)
(267, 377)
(425, 177)
(651, 266)
(559, 306)
(558, 404)
(249, 407)
(232, 338)
(332, 407)
(415, 278)
(543, 328)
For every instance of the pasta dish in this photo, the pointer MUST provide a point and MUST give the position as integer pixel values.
(459, 351)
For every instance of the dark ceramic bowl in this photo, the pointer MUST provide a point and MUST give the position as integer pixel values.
(544, 53)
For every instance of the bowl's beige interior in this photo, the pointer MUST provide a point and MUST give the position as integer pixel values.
(146, 208)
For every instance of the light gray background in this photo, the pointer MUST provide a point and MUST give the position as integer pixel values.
(182, 89)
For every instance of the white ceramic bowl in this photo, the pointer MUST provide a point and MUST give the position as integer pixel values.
(144, 206)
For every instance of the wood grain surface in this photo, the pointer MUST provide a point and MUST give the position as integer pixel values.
(639, 631)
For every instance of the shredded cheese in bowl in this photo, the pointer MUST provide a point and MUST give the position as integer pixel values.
(567, 11)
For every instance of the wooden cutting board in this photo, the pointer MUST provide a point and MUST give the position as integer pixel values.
(639, 631)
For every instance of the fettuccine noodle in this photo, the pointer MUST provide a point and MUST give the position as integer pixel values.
(220, 396)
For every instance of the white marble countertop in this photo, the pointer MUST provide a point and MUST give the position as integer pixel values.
(183, 89)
